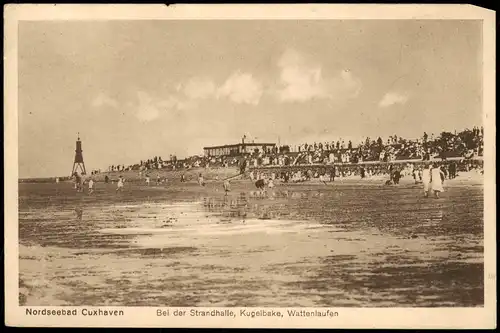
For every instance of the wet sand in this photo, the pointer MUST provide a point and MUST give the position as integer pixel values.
(351, 243)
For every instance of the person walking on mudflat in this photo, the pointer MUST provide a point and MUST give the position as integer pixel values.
(415, 175)
(426, 179)
(91, 186)
(201, 181)
(119, 186)
(227, 186)
(437, 179)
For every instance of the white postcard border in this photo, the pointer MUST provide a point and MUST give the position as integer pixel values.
(481, 317)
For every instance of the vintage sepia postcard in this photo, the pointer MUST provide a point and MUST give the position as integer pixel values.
(252, 166)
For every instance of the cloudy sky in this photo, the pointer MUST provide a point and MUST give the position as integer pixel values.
(139, 89)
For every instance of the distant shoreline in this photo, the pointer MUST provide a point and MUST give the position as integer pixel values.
(210, 175)
(222, 171)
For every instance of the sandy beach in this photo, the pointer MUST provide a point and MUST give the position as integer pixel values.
(349, 243)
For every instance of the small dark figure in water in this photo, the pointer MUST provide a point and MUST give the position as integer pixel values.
(332, 174)
(452, 170)
(243, 166)
(396, 177)
(260, 184)
(106, 179)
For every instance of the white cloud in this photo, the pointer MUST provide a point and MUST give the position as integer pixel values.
(185, 105)
(103, 100)
(241, 88)
(351, 85)
(198, 88)
(150, 107)
(238, 88)
(174, 102)
(302, 81)
(392, 98)
(147, 110)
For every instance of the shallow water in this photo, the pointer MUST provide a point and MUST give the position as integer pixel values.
(340, 245)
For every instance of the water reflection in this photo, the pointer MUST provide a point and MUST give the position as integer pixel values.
(293, 247)
(268, 204)
(248, 205)
(228, 208)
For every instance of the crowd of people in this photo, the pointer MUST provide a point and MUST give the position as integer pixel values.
(156, 163)
(392, 172)
(431, 175)
(465, 144)
(423, 172)
(428, 160)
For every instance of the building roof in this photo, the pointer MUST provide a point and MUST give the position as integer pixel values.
(242, 144)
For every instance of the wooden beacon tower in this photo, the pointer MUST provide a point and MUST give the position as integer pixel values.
(78, 162)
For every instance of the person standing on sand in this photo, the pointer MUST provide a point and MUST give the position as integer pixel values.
(453, 170)
(147, 180)
(91, 186)
(415, 175)
(243, 166)
(445, 172)
(437, 179)
(76, 180)
(227, 186)
(120, 184)
(391, 174)
(201, 181)
(158, 179)
(79, 187)
(323, 179)
(426, 179)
